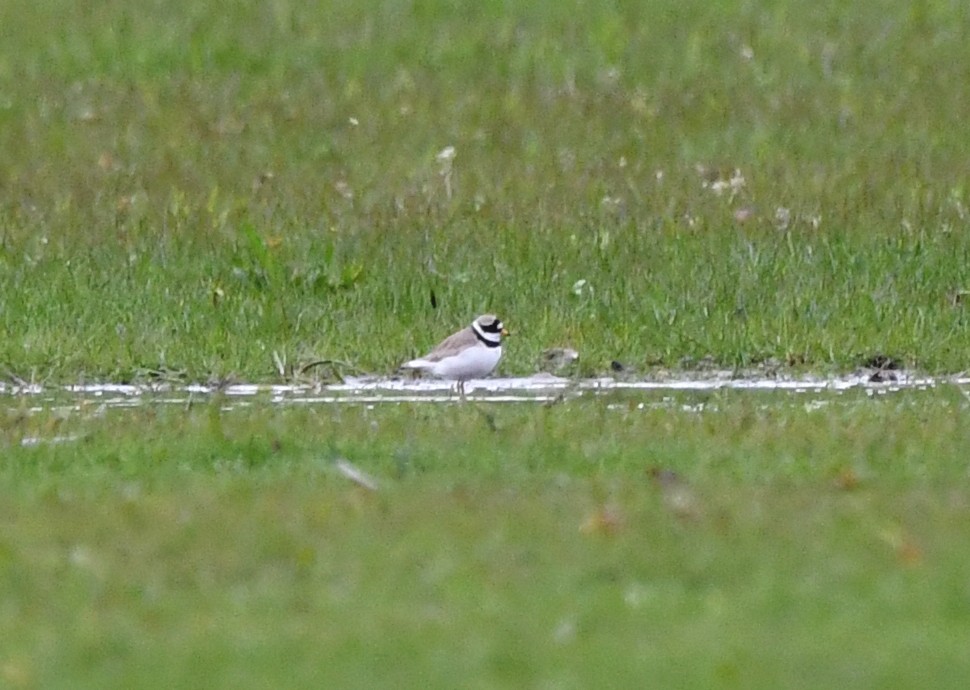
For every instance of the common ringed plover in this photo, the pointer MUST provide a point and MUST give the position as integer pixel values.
(471, 353)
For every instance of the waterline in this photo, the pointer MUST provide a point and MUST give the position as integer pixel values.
(541, 388)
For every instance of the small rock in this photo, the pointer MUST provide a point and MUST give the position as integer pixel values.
(557, 358)
(882, 376)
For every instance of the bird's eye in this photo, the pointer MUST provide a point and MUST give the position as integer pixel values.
(493, 325)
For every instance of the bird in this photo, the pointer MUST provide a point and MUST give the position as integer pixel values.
(471, 353)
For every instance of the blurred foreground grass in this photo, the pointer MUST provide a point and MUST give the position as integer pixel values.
(740, 544)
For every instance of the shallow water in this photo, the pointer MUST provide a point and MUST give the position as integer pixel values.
(695, 395)
(541, 388)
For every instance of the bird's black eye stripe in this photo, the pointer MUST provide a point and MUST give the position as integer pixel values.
(494, 327)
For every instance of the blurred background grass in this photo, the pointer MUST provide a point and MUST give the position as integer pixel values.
(189, 188)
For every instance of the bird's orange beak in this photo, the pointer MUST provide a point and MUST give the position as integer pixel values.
(505, 332)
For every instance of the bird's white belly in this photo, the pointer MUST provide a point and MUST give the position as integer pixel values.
(473, 363)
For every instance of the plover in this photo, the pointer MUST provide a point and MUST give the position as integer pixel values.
(471, 353)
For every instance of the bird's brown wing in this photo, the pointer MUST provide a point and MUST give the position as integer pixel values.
(452, 345)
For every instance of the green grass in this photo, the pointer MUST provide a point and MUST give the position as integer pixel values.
(174, 548)
(188, 189)
(198, 192)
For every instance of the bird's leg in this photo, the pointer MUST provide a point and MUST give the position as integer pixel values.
(461, 390)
